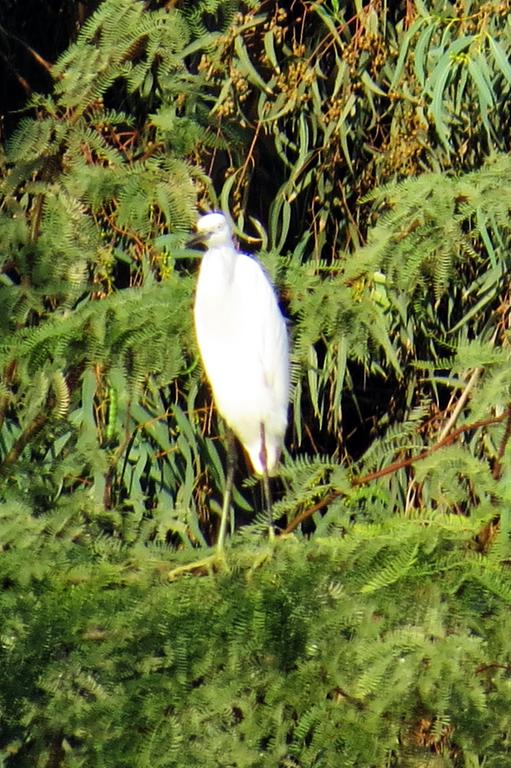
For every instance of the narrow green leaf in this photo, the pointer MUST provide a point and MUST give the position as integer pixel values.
(501, 58)
(269, 48)
(437, 108)
(421, 53)
(484, 92)
(371, 85)
(246, 66)
(403, 52)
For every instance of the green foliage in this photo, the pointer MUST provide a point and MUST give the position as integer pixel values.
(347, 98)
(387, 645)
(98, 197)
(99, 193)
(361, 151)
(339, 101)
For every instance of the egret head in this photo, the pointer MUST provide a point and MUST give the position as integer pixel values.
(214, 230)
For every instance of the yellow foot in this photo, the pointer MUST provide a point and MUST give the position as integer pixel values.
(204, 567)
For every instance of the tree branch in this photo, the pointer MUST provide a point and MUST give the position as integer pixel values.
(402, 463)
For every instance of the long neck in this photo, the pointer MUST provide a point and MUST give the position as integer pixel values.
(217, 271)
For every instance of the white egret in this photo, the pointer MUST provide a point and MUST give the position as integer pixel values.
(243, 342)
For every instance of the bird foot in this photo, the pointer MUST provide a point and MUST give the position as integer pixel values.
(204, 567)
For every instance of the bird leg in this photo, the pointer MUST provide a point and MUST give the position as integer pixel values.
(228, 490)
(266, 482)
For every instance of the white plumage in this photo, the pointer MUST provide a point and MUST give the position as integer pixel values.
(243, 341)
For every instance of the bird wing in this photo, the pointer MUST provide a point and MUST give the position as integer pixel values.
(264, 328)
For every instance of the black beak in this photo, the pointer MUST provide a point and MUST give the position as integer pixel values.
(195, 239)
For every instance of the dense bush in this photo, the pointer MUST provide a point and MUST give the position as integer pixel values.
(388, 645)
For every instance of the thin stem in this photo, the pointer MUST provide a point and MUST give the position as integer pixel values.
(497, 469)
(396, 466)
(266, 483)
(228, 490)
(29, 434)
(460, 404)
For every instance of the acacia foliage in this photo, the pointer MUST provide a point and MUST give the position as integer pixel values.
(387, 646)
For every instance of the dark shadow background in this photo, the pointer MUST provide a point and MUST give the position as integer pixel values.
(32, 36)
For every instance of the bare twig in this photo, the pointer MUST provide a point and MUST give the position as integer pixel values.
(401, 464)
(36, 56)
(497, 467)
(460, 404)
(26, 436)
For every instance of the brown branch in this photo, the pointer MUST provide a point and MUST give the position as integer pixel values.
(495, 665)
(497, 469)
(26, 436)
(36, 56)
(402, 464)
